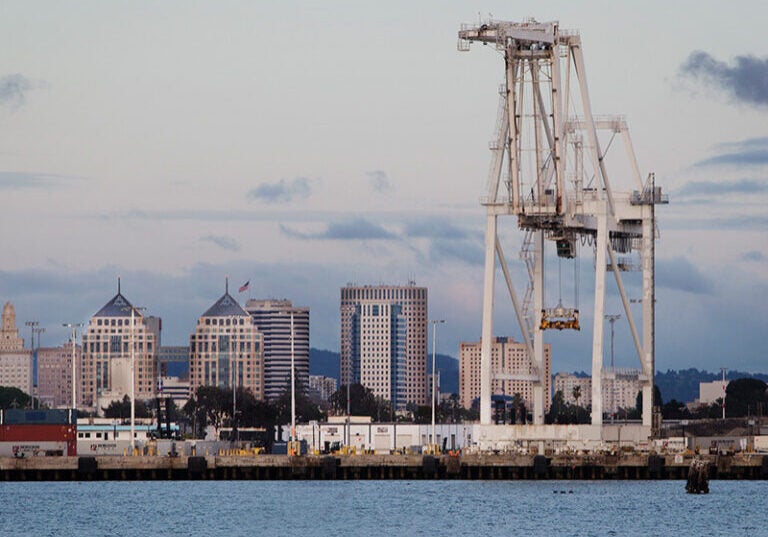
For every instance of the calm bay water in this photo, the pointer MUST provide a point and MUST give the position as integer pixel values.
(368, 508)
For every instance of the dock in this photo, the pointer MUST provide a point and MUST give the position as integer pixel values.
(380, 467)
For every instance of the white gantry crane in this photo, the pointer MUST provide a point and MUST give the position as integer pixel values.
(550, 169)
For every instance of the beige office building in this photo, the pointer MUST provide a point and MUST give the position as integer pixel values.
(54, 374)
(15, 361)
(112, 340)
(567, 383)
(226, 349)
(507, 356)
(384, 341)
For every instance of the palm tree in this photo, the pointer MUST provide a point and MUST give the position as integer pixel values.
(577, 394)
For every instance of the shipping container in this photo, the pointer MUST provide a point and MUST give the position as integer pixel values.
(18, 416)
(39, 434)
(36, 449)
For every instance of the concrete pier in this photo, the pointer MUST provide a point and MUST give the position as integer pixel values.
(333, 467)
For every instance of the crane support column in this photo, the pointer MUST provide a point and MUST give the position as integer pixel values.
(486, 341)
(597, 333)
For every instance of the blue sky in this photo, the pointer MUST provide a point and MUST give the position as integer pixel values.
(305, 145)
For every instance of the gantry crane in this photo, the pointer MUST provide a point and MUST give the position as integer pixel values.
(549, 170)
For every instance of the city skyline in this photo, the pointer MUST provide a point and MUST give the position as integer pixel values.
(200, 141)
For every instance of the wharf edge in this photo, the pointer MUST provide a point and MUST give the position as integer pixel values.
(379, 467)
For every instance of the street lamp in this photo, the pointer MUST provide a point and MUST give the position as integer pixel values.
(133, 375)
(293, 386)
(612, 319)
(74, 326)
(434, 384)
(32, 328)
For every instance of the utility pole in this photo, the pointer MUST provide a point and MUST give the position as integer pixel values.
(434, 383)
(723, 405)
(74, 326)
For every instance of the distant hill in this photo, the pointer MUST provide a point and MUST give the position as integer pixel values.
(326, 363)
(683, 385)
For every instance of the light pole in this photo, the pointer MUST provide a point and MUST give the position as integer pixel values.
(612, 319)
(434, 384)
(293, 387)
(133, 375)
(74, 326)
(32, 327)
(232, 367)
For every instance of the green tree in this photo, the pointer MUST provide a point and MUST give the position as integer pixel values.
(122, 409)
(744, 396)
(12, 397)
(362, 401)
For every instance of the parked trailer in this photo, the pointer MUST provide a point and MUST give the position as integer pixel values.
(25, 449)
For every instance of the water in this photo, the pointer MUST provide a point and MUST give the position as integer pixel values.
(373, 508)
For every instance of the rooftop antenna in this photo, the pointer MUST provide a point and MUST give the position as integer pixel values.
(118, 284)
(226, 284)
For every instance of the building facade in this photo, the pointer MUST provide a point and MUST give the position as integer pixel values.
(54, 374)
(15, 361)
(567, 383)
(322, 387)
(115, 336)
(507, 357)
(173, 361)
(226, 350)
(384, 341)
(273, 320)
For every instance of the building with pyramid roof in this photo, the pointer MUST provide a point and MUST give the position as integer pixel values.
(226, 349)
(117, 336)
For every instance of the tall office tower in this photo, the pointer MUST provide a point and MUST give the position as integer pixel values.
(117, 334)
(273, 320)
(226, 349)
(54, 374)
(508, 359)
(173, 361)
(384, 341)
(15, 360)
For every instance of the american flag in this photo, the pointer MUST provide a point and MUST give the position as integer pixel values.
(244, 287)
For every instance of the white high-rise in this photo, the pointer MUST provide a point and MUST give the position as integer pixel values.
(384, 341)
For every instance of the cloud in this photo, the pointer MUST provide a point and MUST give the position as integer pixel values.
(13, 89)
(27, 180)
(354, 229)
(749, 152)
(679, 273)
(438, 228)
(742, 186)
(379, 181)
(226, 243)
(281, 192)
(746, 80)
(753, 255)
(469, 252)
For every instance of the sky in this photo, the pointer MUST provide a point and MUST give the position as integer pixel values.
(303, 146)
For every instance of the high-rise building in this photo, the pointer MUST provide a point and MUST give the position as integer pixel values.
(273, 320)
(117, 334)
(226, 349)
(15, 360)
(173, 361)
(322, 387)
(384, 341)
(508, 357)
(54, 374)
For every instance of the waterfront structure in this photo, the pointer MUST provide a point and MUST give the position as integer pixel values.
(226, 350)
(323, 386)
(273, 320)
(54, 374)
(173, 361)
(384, 341)
(567, 383)
(15, 360)
(118, 339)
(514, 373)
(550, 172)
